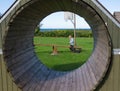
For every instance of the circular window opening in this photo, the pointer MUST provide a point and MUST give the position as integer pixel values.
(53, 41)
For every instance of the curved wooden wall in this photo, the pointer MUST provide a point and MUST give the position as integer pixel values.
(17, 51)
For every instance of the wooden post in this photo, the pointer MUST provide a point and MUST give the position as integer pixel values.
(74, 30)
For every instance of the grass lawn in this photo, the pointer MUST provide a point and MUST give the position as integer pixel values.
(65, 60)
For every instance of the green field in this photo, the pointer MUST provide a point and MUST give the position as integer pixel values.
(65, 60)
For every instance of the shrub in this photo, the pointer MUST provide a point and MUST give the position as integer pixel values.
(64, 33)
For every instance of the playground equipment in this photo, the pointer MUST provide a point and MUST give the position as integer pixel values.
(20, 69)
(55, 47)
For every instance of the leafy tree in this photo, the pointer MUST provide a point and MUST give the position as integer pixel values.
(0, 15)
(37, 30)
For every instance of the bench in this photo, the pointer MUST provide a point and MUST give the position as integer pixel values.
(54, 47)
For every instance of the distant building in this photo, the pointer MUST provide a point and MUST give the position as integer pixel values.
(117, 15)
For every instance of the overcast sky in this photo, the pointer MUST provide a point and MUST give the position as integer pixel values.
(56, 20)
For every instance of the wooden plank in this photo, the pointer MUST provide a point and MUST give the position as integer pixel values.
(69, 82)
(74, 87)
(53, 80)
(43, 81)
(115, 37)
(87, 1)
(73, 81)
(49, 81)
(19, 71)
(88, 79)
(94, 68)
(30, 83)
(57, 85)
(2, 28)
(116, 73)
(14, 59)
(78, 88)
(1, 85)
(9, 82)
(28, 75)
(39, 79)
(119, 40)
(22, 2)
(15, 88)
(92, 76)
(107, 84)
(18, 61)
(0, 36)
(119, 74)
(57, 4)
(110, 29)
(53, 86)
(84, 85)
(100, 63)
(117, 33)
(19, 89)
(4, 77)
(64, 86)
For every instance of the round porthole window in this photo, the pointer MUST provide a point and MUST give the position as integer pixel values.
(54, 47)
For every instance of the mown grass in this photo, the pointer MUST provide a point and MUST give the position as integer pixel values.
(65, 60)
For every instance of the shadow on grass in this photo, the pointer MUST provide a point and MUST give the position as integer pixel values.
(67, 67)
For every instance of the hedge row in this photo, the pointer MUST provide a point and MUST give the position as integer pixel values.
(64, 33)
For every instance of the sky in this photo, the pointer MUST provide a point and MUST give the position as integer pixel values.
(56, 20)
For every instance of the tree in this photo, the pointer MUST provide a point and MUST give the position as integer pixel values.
(0, 15)
(37, 30)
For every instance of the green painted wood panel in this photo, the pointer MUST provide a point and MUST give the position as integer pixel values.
(115, 37)
(87, 1)
(110, 28)
(108, 86)
(1, 74)
(119, 75)
(9, 82)
(117, 30)
(6, 83)
(119, 39)
(7, 19)
(112, 82)
(15, 88)
(3, 27)
(0, 36)
(4, 76)
(116, 73)
(18, 89)
(23, 2)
